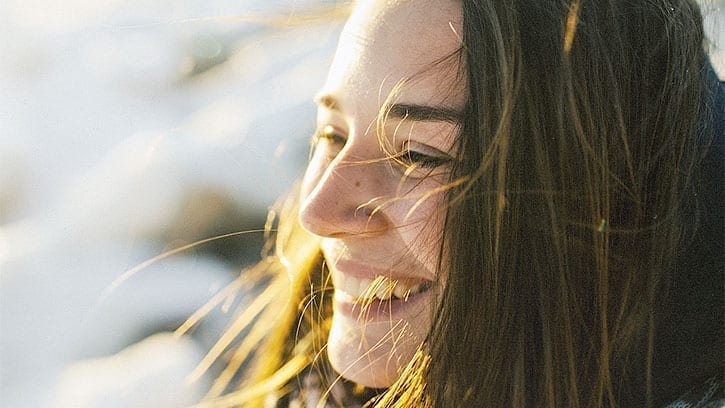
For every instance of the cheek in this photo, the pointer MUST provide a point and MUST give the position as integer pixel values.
(425, 231)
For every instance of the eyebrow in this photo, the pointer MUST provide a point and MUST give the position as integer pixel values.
(422, 113)
(327, 101)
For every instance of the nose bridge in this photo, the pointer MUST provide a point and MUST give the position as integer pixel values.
(346, 199)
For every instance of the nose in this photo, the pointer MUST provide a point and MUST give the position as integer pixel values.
(346, 198)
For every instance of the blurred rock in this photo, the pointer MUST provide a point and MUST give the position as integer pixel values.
(207, 213)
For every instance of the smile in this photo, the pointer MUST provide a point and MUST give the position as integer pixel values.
(361, 290)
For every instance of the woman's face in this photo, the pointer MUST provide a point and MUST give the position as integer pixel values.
(373, 191)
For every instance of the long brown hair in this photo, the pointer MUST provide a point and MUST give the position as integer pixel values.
(589, 111)
(574, 194)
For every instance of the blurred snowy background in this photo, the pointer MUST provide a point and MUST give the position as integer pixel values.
(128, 128)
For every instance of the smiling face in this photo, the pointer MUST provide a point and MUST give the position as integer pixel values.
(374, 188)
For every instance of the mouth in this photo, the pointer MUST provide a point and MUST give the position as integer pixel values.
(356, 290)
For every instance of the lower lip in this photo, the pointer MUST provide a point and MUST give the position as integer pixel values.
(381, 310)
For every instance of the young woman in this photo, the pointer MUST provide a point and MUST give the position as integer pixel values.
(507, 204)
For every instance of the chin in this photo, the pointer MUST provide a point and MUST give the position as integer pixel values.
(372, 354)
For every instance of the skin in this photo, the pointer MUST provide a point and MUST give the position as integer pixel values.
(372, 212)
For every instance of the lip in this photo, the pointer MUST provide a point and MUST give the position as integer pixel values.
(343, 260)
(376, 310)
(365, 271)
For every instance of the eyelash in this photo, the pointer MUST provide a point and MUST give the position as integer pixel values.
(408, 158)
(329, 134)
(421, 160)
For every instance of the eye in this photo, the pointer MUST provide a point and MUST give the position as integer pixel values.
(329, 134)
(422, 158)
(329, 138)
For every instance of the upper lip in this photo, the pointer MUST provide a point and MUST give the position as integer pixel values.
(341, 260)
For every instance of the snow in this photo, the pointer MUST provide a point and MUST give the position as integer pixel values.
(112, 115)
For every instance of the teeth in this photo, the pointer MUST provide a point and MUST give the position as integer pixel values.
(363, 288)
(401, 292)
(381, 287)
(384, 288)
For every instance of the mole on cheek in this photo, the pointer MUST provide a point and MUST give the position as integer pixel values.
(357, 184)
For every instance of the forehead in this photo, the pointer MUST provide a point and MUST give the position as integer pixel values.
(386, 42)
